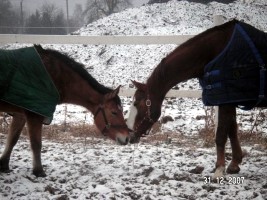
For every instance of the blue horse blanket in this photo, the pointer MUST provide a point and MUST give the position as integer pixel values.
(237, 75)
(24, 82)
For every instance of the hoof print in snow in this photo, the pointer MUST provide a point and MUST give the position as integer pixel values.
(197, 170)
(147, 172)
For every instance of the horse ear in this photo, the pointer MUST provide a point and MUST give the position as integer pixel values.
(140, 86)
(112, 94)
(38, 47)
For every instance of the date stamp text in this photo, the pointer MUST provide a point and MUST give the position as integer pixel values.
(230, 180)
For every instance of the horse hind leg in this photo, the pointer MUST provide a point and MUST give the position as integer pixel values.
(34, 124)
(226, 125)
(16, 126)
(237, 155)
(220, 140)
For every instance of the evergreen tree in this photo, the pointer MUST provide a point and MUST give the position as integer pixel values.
(9, 20)
(33, 23)
(49, 20)
(77, 19)
(60, 22)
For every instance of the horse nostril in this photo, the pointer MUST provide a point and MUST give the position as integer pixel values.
(127, 140)
(122, 140)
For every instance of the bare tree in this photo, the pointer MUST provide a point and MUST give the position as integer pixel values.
(96, 9)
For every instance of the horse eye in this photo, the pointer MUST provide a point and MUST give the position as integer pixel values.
(120, 108)
(136, 103)
(114, 113)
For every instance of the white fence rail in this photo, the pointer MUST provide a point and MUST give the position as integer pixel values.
(171, 93)
(94, 40)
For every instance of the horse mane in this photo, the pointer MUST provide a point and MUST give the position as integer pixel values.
(159, 71)
(78, 68)
(204, 33)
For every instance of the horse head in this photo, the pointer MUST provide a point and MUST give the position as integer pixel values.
(109, 118)
(143, 113)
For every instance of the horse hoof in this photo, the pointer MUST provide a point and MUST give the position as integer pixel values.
(219, 172)
(233, 169)
(5, 170)
(39, 173)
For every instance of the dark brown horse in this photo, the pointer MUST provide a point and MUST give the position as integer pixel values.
(186, 62)
(75, 86)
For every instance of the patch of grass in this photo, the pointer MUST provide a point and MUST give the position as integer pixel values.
(207, 135)
(4, 122)
(66, 133)
(205, 138)
(251, 138)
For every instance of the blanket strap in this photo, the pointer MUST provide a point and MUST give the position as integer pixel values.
(261, 66)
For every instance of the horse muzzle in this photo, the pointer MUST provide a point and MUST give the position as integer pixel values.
(122, 139)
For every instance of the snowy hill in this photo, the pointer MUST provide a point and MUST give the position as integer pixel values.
(113, 63)
(175, 18)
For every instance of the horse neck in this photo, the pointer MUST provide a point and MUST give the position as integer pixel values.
(73, 89)
(79, 92)
(187, 61)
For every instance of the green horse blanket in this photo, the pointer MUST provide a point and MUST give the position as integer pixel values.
(24, 82)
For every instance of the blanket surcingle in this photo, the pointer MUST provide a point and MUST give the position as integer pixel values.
(24, 82)
(237, 76)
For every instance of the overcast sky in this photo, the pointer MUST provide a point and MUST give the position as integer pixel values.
(31, 5)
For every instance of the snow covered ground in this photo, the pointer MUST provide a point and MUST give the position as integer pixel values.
(99, 169)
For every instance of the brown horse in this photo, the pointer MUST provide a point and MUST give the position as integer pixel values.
(75, 86)
(185, 62)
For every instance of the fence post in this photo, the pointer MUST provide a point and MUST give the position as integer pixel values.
(217, 20)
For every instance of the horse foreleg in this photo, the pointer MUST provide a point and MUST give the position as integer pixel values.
(34, 123)
(16, 126)
(233, 167)
(226, 120)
